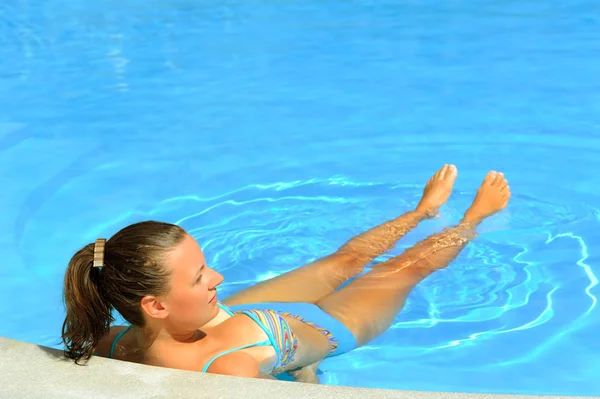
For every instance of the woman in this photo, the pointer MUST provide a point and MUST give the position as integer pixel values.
(155, 275)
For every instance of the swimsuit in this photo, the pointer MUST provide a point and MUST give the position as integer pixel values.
(281, 336)
(269, 318)
(340, 338)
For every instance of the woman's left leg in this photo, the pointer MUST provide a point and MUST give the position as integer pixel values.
(313, 282)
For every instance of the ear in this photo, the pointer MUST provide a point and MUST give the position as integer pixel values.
(154, 307)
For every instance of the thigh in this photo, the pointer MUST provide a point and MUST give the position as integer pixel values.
(368, 305)
(309, 283)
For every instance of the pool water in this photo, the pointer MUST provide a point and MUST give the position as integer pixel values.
(275, 132)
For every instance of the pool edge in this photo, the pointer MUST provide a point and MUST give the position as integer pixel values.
(33, 371)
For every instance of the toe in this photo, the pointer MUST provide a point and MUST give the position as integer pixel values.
(442, 172)
(499, 178)
(452, 171)
(490, 177)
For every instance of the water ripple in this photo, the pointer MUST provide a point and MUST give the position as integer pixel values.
(581, 263)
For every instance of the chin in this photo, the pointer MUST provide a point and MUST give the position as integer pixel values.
(214, 311)
(211, 315)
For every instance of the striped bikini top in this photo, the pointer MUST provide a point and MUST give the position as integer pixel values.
(281, 337)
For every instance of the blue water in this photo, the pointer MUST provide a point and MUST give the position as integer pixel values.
(275, 132)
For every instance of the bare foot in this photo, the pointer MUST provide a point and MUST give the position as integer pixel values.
(492, 197)
(437, 190)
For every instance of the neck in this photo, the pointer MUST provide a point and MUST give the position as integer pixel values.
(160, 333)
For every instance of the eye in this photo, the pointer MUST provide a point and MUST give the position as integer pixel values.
(198, 279)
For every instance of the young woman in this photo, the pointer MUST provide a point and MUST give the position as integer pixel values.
(155, 275)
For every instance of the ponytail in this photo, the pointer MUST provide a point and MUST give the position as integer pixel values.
(89, 314)
(133, 266)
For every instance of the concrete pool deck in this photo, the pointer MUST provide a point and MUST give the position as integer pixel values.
(32, 371)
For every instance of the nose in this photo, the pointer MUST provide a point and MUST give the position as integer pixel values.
(216, 279)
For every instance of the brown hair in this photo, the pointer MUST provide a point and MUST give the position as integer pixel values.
(133, 268)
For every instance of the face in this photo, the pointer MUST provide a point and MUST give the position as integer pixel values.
(192, 300)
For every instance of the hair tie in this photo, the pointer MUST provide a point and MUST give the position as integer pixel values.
(99, 252)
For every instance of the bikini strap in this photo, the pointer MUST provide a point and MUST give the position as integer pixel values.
(226, 309)
(264, 324)
(117, 338)
(207, 365)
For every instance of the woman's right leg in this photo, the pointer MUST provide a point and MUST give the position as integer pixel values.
(369, 304)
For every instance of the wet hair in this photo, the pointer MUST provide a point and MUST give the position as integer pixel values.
(134, 266)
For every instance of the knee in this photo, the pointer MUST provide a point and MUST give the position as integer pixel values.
(350, 261)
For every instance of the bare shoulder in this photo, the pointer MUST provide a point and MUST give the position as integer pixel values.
(237, 364)
(103, 347)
